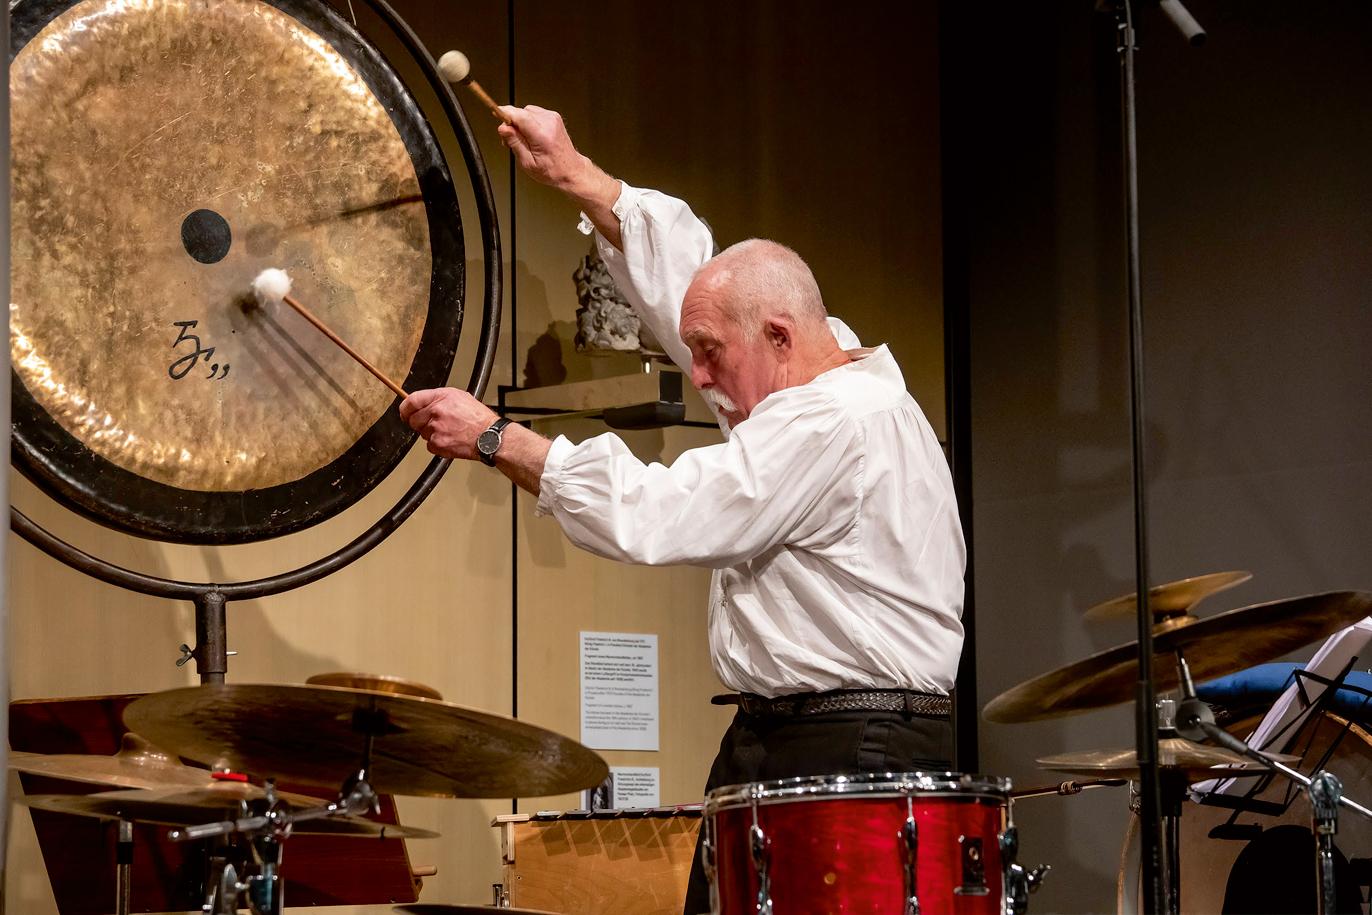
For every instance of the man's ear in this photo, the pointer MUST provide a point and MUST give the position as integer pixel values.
(779, 335)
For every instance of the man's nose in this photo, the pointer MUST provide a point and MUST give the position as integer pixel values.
(700, 377)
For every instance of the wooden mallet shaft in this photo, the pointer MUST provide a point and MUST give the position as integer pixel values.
(457, 70)
(324, 329)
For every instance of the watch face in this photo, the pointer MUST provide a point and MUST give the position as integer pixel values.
(488, 442)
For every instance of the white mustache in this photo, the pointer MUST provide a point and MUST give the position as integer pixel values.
(718, 400)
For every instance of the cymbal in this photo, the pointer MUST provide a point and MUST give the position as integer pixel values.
(1197, 761)
(316, 735)
(377, 683)
(429, 908)
(138, 764)
(193, 806)
(1214, 646)
(1171, 599)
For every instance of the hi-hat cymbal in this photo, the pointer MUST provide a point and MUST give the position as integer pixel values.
(318, 735)
(138, 764)
(193, 806)
(1172, 599)
(1214, 646)
(1197, 761)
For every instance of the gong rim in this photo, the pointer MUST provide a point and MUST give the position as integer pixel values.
(95, 487)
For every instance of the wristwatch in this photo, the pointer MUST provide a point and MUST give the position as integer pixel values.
(488, 442)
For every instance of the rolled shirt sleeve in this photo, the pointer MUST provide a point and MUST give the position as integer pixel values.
(719, 505)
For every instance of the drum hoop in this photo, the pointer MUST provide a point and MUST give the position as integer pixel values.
(875, 785)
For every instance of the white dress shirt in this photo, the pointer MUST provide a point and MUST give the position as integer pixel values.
(828, 515)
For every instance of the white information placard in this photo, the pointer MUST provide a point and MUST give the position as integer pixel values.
(619, 691)
(635, 786)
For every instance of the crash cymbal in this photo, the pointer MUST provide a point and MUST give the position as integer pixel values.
(193, 806)
(1175, 598)
(377, 683)
(426, 908)
(138, 764)
(1214, 646)
(164, 154)
(317, 735)
(1197, 761)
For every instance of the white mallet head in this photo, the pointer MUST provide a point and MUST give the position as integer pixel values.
(455, 67)
(270, 287)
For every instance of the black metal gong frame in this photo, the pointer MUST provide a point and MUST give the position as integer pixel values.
(210, 599)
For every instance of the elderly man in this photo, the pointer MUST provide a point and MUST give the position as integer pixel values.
(827, 514)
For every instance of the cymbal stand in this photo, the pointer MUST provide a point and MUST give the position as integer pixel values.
(123, 866)
(267, 827)
(1195, 722)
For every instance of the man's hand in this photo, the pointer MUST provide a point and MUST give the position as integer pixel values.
(541, 146)
(544, 151)
(449, 420)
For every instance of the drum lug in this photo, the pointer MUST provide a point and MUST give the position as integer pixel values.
(759, 846)
(1016, 880)
(707, 859)
(909, 838)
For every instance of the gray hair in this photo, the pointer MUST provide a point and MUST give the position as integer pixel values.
(764, 279)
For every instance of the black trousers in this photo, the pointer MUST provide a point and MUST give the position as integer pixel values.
(763, 747)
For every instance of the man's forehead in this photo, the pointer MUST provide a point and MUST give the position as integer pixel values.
(700, 318)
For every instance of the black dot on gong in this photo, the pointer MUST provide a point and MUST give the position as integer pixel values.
(206, 236)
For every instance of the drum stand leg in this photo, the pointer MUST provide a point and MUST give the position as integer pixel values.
(1173, 796)
(123, 886)
(1325, 793)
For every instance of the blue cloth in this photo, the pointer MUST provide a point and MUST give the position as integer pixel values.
(1261, 685)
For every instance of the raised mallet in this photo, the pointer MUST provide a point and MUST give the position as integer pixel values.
(457, 69)
(272, 286)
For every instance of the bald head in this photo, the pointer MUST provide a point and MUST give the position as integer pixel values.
(757, 279)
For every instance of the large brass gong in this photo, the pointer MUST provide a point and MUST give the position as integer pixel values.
(165, 152)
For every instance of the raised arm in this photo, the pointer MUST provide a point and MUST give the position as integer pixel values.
(651, 243)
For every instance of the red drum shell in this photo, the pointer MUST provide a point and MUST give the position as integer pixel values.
(835, 843)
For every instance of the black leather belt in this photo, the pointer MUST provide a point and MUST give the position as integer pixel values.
(908, 701)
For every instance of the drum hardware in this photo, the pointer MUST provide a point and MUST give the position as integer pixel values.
(909, 852)
(1019, 883)
(1067, 788)
(973, 870)
(1196, 722)
(707, 859)
(123, 867)
(760, 855)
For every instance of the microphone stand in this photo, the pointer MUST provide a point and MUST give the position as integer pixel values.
(1155, 866)
(1195, 722)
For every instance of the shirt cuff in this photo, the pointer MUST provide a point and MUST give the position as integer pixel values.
(628, 196)
(552, 473)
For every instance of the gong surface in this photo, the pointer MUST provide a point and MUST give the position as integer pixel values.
(165, 152)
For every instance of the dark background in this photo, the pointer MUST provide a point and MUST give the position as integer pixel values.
(1256, 224)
